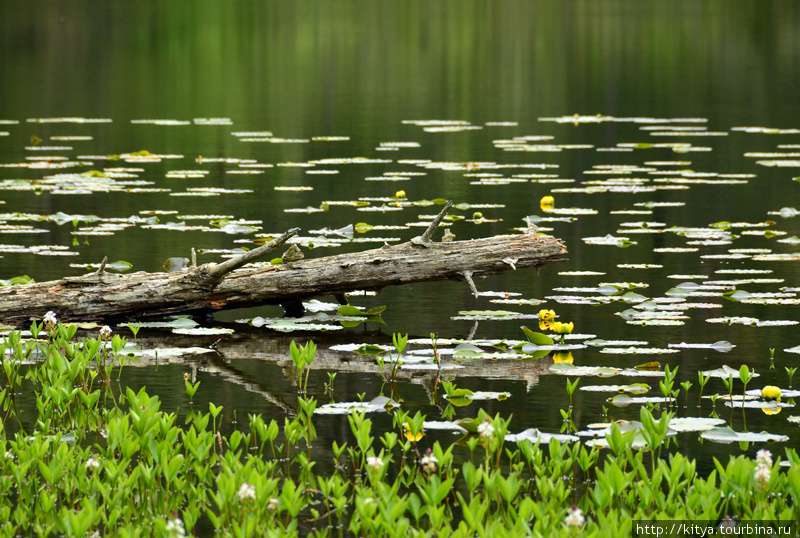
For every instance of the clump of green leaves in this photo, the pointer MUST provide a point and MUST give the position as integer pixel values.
(92, 462)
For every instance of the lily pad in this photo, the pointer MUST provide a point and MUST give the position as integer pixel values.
(533, 435)
(694, 424)
(722, 346)
(726, 435)
(381, 403)
(565, 368)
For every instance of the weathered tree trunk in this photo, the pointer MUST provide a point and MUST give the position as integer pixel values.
(210, 287)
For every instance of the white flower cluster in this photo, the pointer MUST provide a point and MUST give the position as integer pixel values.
(246, 492)
(50, 320)
(764, 456)
(105, 333)
(272, 504)
(92, 463)
(763, 465)
(375, 462)
(485, 429)
(574, 517)
(175, 527)
(762, 475)
(429, 461)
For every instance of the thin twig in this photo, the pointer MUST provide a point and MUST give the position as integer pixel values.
(220, 270)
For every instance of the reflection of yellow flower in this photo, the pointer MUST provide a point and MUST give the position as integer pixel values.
(546, 314)
(545, 325)
(771, 410)
(563, 357)
(771, 392)
(410, 436)
(546, 202)
(563, 328)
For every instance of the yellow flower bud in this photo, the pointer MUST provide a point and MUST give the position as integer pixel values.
(771, 392)
(546, 202)
(400, 194)
(563, 328)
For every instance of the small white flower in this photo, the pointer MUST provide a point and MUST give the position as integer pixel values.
(369, 500)
(762, 475)
(247, 491)
(10, 455)
(92, 463)
(485, 429)
(175, 527)
(272, 504)
(429, 461)
(50, 319)
(764, 456)
(375, 462)
(574, 517)
(105, 333)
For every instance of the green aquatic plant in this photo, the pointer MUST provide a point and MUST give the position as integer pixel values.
(790, 372)
(686, 385)
(149, 475)
(302, 356)
(702, 379)
(667, 383)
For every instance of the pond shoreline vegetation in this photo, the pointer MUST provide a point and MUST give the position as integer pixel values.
(98, 463)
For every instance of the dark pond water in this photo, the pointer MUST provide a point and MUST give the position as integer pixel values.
(687, 116)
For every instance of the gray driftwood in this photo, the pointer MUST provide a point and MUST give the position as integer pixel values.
(210, 287)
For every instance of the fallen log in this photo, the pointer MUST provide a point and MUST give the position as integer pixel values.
(211, 287)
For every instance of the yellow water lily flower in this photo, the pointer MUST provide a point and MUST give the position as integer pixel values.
(400, 194)
(771, 392)
(409, 435)
(546, 202)
(546, 314)
(563, 357)
(563, 328)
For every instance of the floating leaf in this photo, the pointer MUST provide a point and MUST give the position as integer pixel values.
(173, 265)
(467, 351)
(621, 400)
(694, 424)
(726, 435)
(565, 368)
(289, 326)
(609, 240)
(202, 331)
(722, 346)
(349, 310)
(534, 436)
(370, 349)
(460, 393)
(725, 372)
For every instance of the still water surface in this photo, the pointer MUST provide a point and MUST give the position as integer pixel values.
(353, 79)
